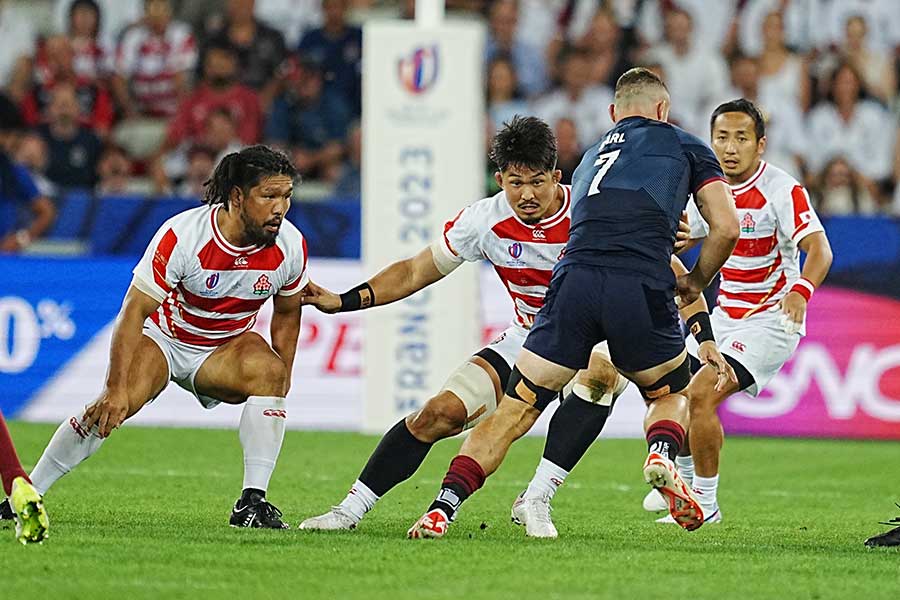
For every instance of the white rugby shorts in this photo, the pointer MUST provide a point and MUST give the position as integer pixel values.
(758, 343)
(184, 361)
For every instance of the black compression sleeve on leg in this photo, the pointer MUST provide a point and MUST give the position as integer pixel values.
(574, 427)
(394, 460)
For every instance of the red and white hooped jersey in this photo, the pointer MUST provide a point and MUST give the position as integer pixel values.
(523, 255)
(211, 291)
(774, 213)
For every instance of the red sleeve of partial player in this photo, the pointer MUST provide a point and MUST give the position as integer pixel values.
(161, 259)
(802, 210)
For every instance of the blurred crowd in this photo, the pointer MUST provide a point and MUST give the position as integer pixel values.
(143, 96)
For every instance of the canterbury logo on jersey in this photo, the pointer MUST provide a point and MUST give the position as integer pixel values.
(240, 261)
(271, 412)
(739, 346)
(538, 234)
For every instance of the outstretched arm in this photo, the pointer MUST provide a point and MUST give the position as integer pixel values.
(716, 205)
(396, 282)
(110, 411)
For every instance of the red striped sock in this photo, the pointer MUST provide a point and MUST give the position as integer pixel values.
(463, 479)
(10, 467)
(665, 437)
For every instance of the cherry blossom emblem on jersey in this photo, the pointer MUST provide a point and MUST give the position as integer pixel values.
(748, 225)
(262, 286)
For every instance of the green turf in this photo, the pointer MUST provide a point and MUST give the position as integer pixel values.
(147, 518)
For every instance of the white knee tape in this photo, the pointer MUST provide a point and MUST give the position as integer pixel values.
(591, 395)
(471, 384)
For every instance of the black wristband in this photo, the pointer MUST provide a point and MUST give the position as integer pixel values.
(701, 328)
(359, 297)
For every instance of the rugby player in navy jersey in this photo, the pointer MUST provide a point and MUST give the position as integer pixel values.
(615, 283)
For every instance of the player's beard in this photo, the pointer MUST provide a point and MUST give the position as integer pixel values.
(257, 235)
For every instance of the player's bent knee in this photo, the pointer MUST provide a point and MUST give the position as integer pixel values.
(267, 377)
(474, 388)
(672, 382)
(523, 389)
(442, 416)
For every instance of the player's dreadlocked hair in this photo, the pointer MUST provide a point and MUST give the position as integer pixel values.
(524, 142)
(245, 169)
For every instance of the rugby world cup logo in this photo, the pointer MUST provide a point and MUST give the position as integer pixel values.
(515, 250)
(419, 70)
(212, 281)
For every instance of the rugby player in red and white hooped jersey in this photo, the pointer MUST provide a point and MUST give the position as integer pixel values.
(187, 318)
(521, 231)
(763, 294)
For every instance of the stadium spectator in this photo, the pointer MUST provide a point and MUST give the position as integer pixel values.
(55, 64)
(260, 48)
(783, 73)
(798, 16)
(25, 214)
(153, 63)
(587, 106)
(293, 18)
(31, 153)
(220, 137)
(503, 97)
(337, 46)
(92, 60)
(843, 191)
(713, 22)
(200, 163)
(349, 181)
(219, 88)
(115, 16)
(309, 122)
(73, 150)
(19, 37)
(881, 17)
(114, 172)
(502, 40)
(605, 50)
(695, 75)
(875, 66)
(568, 149)
(849, 124)
(549, 25)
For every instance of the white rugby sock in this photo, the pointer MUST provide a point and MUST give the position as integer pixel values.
(547, 478)
(706, 488)
(69, 446)
(360, 500)
(261, 433)
(685, 467)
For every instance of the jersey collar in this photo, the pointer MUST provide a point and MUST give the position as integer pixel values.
(743, 187)
(223, 243)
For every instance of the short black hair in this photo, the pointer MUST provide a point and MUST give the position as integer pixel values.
(244, 170)
(90, 4)
(525, 142)
(741, 105)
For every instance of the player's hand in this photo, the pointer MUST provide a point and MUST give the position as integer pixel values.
(107, 413)
(323, 299)
(686, 291)
(709, 354)
(683, 235)
(793, 312)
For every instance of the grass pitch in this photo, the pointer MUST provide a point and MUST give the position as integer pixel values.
(147, 517)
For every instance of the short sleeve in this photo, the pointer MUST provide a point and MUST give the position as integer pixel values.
(183, 53)
(699, 226)
(297, 276)
(460, 240)
(27, 188)
(160, 269)
(795, 215)
(705, 167)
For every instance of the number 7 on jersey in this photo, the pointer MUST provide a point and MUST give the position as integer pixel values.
(604, 161)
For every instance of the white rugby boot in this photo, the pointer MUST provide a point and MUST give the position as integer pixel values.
(534, 514)
(335, 519)
(684, 507)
